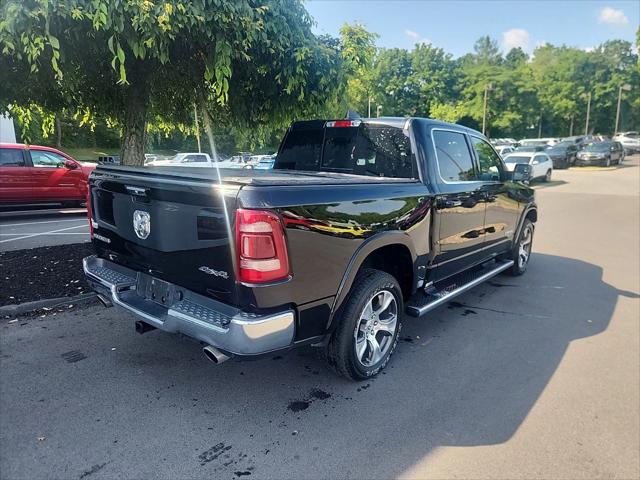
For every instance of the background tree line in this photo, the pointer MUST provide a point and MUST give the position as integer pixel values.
(136, 74)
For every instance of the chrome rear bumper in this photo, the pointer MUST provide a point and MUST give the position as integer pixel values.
(194, 315)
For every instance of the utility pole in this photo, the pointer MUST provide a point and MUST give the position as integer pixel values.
(571, 126)
(195, 115)
(487, 87)
(586, 125)
(540, 125)
(626, 88)
(369, 108)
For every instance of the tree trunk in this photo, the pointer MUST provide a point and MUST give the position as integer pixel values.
(58, 131)
(135, 120)
(208, 129)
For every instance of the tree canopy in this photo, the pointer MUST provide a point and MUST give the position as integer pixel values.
(251, 67)
(132, 59)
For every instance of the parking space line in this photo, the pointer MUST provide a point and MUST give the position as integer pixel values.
(39, 234)
(46, 221)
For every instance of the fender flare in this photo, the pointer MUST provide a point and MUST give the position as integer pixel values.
(371, 244)
(528, 208)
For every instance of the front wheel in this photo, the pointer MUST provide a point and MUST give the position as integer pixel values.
(547, 177)
(368, 328)
(521, 251)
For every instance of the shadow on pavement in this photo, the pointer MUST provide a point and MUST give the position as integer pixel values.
(465, 375)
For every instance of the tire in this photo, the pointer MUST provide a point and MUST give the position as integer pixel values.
(547, 177)
(608, 163)
(350, 351)
(519, 267)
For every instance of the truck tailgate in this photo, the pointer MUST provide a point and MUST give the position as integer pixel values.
(167, 226)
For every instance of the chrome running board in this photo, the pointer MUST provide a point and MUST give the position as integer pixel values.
(437, 295)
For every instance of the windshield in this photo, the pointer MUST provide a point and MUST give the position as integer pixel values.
(598, 147)
(516, 159)
(378, 150)
(528, 149)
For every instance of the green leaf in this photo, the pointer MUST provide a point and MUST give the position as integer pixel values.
(121, 56)
(54, 42)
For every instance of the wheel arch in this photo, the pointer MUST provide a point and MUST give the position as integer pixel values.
(391, 252)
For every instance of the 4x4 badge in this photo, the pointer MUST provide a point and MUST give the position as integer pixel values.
(211, 271)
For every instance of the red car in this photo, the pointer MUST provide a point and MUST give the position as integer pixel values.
(30, 174)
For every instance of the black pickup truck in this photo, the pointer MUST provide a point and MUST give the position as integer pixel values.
(359, 222)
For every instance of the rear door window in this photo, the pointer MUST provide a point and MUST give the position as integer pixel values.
(11, 157)
(454, 157)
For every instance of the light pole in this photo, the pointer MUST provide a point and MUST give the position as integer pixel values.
(369, 107)
(626, 87)
(487, 87)
(586, 125)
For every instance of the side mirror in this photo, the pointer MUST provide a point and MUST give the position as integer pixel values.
(71, 165)
(521, 173)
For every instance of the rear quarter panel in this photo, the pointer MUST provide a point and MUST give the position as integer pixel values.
(325, 227)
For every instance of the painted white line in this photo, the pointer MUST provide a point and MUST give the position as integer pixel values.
(59, 233)
(46, 221)
(39, 234)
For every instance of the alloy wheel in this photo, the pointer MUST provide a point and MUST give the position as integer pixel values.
(524, 248)
(375, 330)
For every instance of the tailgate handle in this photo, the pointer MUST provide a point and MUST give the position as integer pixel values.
(139, 191)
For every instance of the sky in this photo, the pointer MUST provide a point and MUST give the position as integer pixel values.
(456, 25)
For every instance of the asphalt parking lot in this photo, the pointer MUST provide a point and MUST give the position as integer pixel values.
(42, 227)
(528, 377)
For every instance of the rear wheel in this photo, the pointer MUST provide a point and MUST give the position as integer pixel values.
(368, 328)
(521, 251)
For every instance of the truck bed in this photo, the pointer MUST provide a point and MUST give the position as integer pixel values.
(249, 176)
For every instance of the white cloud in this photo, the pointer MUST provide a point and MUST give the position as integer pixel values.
(516, 37)
(412, 34)
(416, 37)
(612, 16)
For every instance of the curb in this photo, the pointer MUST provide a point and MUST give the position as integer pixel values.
(27, 307)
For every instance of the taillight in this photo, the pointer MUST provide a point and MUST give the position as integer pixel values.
(261, 247)
(342, 123)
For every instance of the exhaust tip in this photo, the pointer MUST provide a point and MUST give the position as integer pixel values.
(143, 327)
(215, 355)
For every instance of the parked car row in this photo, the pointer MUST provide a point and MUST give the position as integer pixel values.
(242, 160)
(580, 150)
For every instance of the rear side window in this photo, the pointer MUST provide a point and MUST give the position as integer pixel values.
(195, 159)
(454, 157)
(375, 150)
(11, 157)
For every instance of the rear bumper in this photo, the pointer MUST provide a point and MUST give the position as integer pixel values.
(223, 326)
